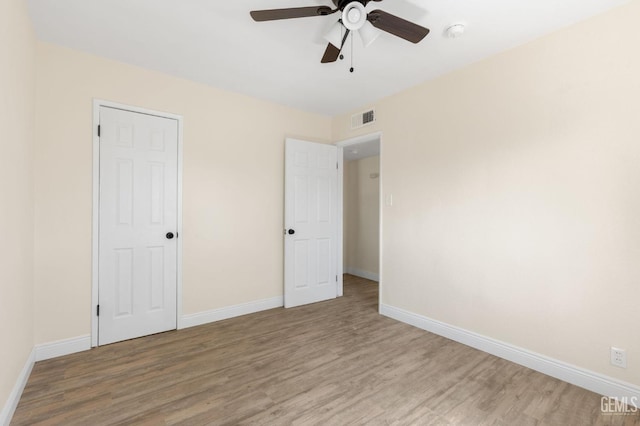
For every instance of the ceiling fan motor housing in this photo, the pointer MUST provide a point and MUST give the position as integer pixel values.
(354, 15)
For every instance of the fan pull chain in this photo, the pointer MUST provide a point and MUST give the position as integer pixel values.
(341, 38)
(351, 69)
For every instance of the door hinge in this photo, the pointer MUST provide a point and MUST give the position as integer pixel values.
(336, 278)
(337, 166)
(98, 310)
(98, 130)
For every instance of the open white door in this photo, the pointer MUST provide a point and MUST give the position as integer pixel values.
(310, 218)
(137, 266)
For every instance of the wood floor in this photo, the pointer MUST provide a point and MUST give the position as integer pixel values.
(331, 363)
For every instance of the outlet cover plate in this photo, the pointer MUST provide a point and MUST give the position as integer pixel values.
(618, 357)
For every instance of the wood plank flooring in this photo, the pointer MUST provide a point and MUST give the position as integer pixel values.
(330, 363)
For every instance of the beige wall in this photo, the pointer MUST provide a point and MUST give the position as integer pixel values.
(233, 185)
(17, 57)
(515, 181)
(361, 216)
(516, 188)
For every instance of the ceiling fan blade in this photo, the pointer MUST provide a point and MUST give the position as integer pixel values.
(397, 26)
(293, 12)
(332, 52)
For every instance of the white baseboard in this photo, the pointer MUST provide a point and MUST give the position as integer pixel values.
(363, 274)
(62, 347)
(586, 379)
(40, 353)
(219, 314)
(83, 343)
(14, 397)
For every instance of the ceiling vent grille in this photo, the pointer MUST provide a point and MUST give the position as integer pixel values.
(362, 119)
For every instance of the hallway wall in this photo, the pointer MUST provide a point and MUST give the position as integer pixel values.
(362, 217)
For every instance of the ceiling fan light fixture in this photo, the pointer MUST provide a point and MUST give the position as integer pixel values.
(368, 34)
(334, 35)
(354, 16)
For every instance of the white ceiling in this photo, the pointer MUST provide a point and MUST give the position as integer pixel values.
(362, 150)
(217, 43)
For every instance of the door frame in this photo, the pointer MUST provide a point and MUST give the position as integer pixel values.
(95, 216)
(370, 137)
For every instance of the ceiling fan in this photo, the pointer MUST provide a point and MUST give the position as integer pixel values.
(354, 19)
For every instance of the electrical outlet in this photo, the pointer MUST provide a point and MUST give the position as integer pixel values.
(618, 357)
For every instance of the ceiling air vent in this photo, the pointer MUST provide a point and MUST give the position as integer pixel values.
(363, 119)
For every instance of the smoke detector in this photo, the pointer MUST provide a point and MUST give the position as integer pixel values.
(455, 30)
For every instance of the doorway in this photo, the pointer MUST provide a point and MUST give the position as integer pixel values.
(136, 289)
(360, 183)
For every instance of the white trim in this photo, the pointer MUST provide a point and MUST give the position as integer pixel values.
(97, 103)
(381, 197)
(179, 233)
(340, 239)
(369, 137)
(62, 347)
(586, 379)
(227, 312)
(14, 397)
(362, 273)
(95, 220)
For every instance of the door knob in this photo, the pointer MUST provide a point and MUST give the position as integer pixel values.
(169, 235)
(291, 231)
